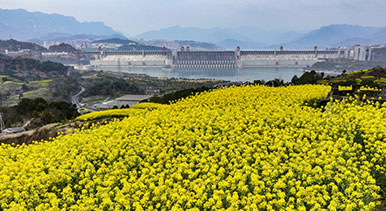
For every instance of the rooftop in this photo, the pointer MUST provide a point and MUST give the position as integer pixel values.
(133, 97)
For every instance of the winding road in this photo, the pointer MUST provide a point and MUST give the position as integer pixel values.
(75, 101)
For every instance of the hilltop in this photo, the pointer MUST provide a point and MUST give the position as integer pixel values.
(125, 44)
(24, 77)
(63, 47)
(65, 37)
(24, 68)
(197, 45)
(14, 45)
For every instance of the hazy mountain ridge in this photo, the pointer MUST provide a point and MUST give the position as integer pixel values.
(335, 35)
(211, 35)
(24, 25)
(232, 44)
(63, 37)
(380, 36)
(38, 27)
(248, 38)
(177, 44)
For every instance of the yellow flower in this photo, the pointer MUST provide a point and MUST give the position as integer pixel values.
(237, 148)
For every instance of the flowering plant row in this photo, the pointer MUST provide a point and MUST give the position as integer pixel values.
(115, 113)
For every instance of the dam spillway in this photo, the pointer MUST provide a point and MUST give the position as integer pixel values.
(217, 59)
(205, 59)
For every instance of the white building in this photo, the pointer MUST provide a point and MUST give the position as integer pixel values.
(11, 131)
(358, 52)
(127, 100)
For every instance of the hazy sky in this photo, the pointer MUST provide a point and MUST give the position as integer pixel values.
(136, 16)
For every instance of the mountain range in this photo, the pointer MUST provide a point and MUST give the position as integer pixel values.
(23, 25)
(340, 35)
(228, 38)
(38, 27)
(248, 38)
(191, 33)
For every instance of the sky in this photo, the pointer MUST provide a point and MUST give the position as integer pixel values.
(132, 17)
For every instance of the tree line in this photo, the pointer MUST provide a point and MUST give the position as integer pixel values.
(38, 109)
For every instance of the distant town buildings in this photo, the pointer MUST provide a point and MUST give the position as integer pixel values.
(107, 45)
(78, 44)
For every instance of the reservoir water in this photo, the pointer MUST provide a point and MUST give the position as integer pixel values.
(244, 74)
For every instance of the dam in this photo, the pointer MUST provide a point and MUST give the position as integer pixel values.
(205, 59)
(224, 59)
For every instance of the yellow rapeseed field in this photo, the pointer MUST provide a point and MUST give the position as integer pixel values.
(135, 110)
(238, 148)
(113, 113)
(366, 88)
(344, 88)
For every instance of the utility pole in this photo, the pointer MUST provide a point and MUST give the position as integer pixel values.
(2, 126)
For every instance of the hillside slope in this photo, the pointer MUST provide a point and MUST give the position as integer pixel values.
(14, 45)
(251, 147)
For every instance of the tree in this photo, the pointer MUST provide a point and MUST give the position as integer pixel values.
(307, 78)
(24, 87)
(294, 79)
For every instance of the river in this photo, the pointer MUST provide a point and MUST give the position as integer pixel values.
(245, 74)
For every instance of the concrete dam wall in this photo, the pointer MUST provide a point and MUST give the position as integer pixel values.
(215, 59)
(133, 58)
(205, 59)
(285, 58)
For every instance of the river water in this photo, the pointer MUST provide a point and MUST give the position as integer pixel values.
(244, 74)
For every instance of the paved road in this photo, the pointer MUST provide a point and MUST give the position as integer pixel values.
(75, 101)
(75, 98)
